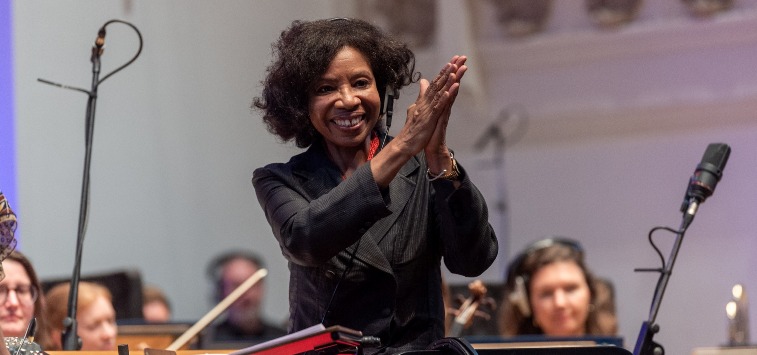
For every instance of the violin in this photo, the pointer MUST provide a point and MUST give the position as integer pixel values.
(22, 346)
(469, 309)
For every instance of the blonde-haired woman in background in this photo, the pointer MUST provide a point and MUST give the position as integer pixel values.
(95, 316)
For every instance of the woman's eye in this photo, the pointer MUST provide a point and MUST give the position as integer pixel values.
(362, 83)
(324, 89)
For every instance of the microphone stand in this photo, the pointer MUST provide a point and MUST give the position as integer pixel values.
(494, 133)
(645, 344)
(701, 185)
(70, 340)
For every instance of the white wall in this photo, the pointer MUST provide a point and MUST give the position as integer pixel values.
(617, 122)
(175, 140)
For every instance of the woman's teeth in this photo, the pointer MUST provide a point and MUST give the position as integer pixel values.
(348, 122)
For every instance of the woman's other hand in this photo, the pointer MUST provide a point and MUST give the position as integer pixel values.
(437, 154)
(425, 126)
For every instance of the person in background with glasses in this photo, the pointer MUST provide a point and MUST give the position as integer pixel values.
(7, 245)
(20, 298)
(19, 291)
(550, 291)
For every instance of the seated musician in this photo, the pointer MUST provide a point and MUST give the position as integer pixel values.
(244, 322)
(20, 299)
(155, 305)
(95, 316)
(549, 290)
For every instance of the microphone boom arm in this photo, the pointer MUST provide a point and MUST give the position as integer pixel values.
(69, 337)
(645, 345)
(701, 185)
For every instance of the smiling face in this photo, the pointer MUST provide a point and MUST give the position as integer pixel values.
(344, 102)
(560, 298)
(15, 312)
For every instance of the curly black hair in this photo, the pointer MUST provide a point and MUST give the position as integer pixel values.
(303, 53)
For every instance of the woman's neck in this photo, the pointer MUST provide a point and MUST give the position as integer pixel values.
(348, 159)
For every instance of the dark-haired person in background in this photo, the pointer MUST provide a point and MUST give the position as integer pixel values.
(244, 322)
(20, 293)
(365, 219)
(21, 299)
(550, 291)
(155, 305)
(7, 244)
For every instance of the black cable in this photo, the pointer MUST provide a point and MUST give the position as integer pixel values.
(88, 92)
(139, 50)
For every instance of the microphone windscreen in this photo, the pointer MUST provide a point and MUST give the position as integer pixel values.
(715, 158)
(709, 171)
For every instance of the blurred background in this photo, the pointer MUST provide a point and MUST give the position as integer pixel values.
(577, 118)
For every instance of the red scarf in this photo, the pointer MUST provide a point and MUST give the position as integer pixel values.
(372, 150)
(374, 145)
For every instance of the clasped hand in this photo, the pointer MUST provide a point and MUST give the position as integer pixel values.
(425, 127)
(427, 118)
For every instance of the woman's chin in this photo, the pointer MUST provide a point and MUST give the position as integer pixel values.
(14, 329)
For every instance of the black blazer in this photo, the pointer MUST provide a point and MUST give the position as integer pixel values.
(398, 236)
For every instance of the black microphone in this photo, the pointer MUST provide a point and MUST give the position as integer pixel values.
(391, 95)
(705, 178)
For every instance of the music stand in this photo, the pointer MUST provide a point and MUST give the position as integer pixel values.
(332, 340)
(570, 350)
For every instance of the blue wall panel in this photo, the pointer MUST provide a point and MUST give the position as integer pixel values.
(7, 131)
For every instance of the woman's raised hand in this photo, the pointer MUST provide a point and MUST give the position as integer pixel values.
(437, 154)
(425, 126)
(434, 100)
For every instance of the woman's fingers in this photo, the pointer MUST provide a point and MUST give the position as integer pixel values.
(427, 118)
(440, 82)
(460, 72)
(436, 147)
(434, 95)
(424, 84)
